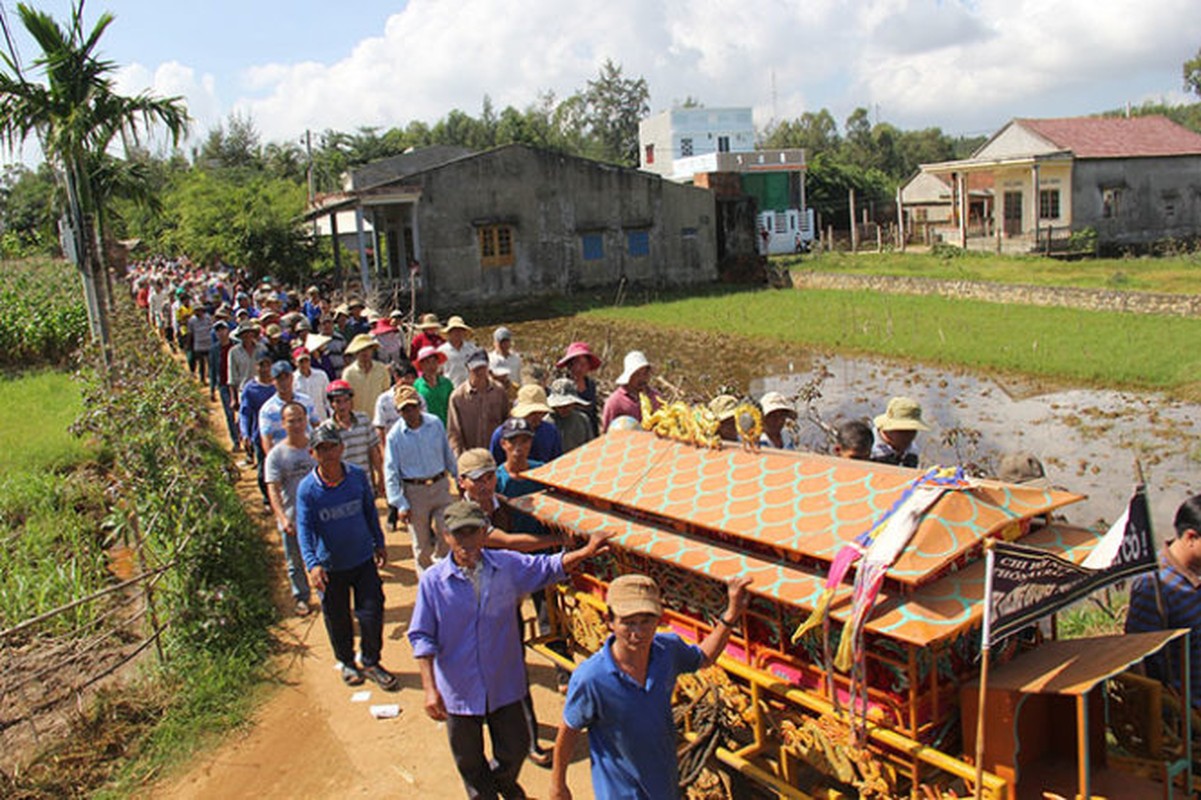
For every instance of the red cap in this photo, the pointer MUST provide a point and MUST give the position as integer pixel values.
(338, 388)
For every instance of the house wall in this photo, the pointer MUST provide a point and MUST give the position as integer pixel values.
(1158, 198)
(1051, 176)
(1012, 141)
(551, 201)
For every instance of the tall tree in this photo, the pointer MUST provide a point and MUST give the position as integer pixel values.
(613, 107)
(76, 114)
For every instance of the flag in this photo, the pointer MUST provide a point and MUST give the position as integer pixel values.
(1026, 583)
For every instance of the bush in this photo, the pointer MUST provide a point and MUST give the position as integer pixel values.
(44, 320)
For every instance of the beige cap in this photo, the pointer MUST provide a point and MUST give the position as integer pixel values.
(476, 463)
(404, 395)
(902, 414)
(634, 594)
(774, 401)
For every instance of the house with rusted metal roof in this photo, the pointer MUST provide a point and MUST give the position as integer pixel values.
(1134, 180)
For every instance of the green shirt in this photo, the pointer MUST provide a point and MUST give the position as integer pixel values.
(437, 397)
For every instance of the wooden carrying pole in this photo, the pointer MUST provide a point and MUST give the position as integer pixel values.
(984, 649)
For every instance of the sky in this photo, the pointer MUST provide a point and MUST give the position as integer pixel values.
(965, 66)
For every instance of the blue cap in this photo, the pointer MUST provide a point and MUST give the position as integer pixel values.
(281, 368)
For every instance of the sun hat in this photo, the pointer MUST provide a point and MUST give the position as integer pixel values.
(456, 323)
(429, 321)
(463, 515)
(476, 463)
(501, 333)
(281, 367)
(267, 314)
(381, 326)
(360, 342)
(634, 361)
(1023, 467)
(514, 427)
(220, 325)
(356, 303)
(339, 388)
(343, 310)
(325, 433)
(405, 395)
(578, 349)
(530, 399)
(774, 401)
(315, 341)
(724, 406)
(274, 330)
(396, 313)
(562, 393)
(428, 351)
(634, 594)
(902, 414)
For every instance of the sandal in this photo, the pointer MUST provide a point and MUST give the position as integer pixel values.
(386, 680)
(351, 676)
(302, 608)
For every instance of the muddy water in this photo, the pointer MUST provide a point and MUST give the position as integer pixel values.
(1088, 439)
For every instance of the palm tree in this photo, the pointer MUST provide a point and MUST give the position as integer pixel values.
(76, 115)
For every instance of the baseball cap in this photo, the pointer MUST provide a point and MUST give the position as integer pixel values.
(478, 358)
(281, 368)
(634, 594)
(514, 427)
(476, 463)
(462, 515)
(405, 396)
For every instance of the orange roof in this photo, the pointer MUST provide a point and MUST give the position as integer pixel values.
(802, 507)
(1116, 137)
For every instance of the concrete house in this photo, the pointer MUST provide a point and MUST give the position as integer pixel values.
(708, 147)
(1134, 180)
(516, 222)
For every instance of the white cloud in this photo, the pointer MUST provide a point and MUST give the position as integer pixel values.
(959, 64)
(172, 79)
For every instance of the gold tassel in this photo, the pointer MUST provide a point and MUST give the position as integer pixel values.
(842, 659)
(818, 616)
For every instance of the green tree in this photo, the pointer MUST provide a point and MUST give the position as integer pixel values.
(612, 107)
(1192, 74)
(76, 114)
(28, 210)
(815, 132)
(234, 145)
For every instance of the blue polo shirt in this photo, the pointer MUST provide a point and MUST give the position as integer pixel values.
(631, 735)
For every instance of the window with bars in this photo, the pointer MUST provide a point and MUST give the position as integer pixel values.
(1048, 204)
(685, 148)
(638, 243)
(496, 246)
(1111, 202)
(593, 245)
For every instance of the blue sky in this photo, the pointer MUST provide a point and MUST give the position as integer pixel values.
(966, 66)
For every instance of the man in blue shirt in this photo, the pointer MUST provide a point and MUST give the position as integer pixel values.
(468, 646)
(342, 544)
(417, 460)
(622, 694)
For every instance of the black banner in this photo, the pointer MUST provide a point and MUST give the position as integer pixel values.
(1029, 583)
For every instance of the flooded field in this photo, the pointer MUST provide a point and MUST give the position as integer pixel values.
(1088, 439)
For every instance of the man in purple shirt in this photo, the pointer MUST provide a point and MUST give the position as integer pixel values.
(468, 646)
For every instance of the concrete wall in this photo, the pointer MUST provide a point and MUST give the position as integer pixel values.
(551, 201)
(1015, 140)
(1158, 198)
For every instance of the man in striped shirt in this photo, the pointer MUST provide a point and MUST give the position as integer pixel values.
(359, 438)
(1171, 598)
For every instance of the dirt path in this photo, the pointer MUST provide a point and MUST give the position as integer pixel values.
(310, 740)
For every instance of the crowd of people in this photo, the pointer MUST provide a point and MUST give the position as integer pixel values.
(334, 406)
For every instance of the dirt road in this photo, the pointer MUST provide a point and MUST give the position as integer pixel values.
(310, 740)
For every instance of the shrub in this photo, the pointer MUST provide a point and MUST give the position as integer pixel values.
(44, 320)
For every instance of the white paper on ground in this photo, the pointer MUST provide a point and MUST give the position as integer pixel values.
(360, 697)
(386, 711)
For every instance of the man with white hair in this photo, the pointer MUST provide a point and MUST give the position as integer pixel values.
(634, 381)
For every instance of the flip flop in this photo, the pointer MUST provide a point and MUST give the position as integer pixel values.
(351, 676)
(386, 680)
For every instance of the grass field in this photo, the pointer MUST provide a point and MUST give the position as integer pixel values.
(35, 412)
(1174, 274)
(1086, 347)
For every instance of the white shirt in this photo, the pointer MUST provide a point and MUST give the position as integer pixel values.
(455, 367)
(314, 386)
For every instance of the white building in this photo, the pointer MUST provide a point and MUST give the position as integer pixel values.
(682, 133)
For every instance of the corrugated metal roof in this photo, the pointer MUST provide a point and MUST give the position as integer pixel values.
(1117, 137)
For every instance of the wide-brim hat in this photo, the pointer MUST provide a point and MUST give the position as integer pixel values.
(724, 407)
(360, 342)
(902, 414)
(634, 361)
(531, 398)
(429, 321)
(456, 323)
(315, 341)
(245, 328)
(1023, 468)
(343, 309)
(774, 401)
(382, 325)
(562, 393)
(578, 349)
(634, 594)
(428, 351)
